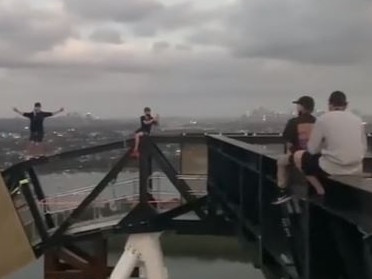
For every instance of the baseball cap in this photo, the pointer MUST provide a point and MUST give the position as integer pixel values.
(307, 102)
(337, 99)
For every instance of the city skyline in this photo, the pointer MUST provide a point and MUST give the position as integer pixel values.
(291, 111)
(182, 57)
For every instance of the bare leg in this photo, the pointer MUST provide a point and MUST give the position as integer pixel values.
(314, 181)
(282, 172)
(37, 149)
(137, 139)
(31, 147)
(40, 149)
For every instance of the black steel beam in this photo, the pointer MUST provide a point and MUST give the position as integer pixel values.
(138, 215)
(180, 210)
(185, 227)
(67, 155)
(150, 168)
(171, 173)
(89, 199)
(254, 138)
(144, 170)
(178, 138)
(201, 138)
(39, 223)
(40, 195)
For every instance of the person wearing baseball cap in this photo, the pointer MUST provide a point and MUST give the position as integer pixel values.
(306, 103)
(337, 145)
(296, 135)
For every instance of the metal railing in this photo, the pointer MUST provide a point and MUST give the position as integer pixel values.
(116, 191)
(118, 202)
(114, 201)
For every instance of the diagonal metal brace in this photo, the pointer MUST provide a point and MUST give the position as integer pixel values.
(89, 199)
(182, 187)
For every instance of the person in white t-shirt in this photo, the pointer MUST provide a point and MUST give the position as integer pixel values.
(337, 145)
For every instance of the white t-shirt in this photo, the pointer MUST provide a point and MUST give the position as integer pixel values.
(340, 138)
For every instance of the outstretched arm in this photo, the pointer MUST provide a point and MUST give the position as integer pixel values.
(58, 111)
(18, 111)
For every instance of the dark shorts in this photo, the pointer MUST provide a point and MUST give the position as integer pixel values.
(36, 136)
(311, 167)
(146, 133)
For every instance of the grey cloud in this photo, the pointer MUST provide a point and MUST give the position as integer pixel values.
(113, 10)
(209, 36)
(183, 47)
(160, 46)
(185, 89)
(335, 31)
(175, 17)
(106, 35)
(114, 81)
(146, 17)
(315, 32)
(109, 65)
(24, 31)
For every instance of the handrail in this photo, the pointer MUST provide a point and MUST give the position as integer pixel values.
(129, 181)
(133, 198)
(72, 198)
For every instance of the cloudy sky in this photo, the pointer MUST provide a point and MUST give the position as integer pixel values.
(182, 57)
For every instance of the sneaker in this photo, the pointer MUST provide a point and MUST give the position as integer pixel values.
(282, 198)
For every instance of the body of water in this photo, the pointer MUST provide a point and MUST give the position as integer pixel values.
(178, 268)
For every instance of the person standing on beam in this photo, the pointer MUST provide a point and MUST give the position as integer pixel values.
(37, 117)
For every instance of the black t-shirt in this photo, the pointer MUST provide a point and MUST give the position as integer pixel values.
(37, 120)
(298, 130)
(146, 127)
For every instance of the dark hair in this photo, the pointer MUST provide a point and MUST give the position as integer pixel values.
(37, 105)
(338, 99)
(147, 109)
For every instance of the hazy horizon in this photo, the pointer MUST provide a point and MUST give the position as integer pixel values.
(203, 58)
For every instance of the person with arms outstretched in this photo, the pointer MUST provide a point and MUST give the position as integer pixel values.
(147, 121)
(37, 117)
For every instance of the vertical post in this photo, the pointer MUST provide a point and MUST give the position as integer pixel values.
(144, 170)
(149, 167)
(241, 195)
(100, 259)
(180, 160)
(306, 232)
(25, 188)
(212, 210)
(260, 210)
(51, 264)
(367, 247)
(40, 194)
